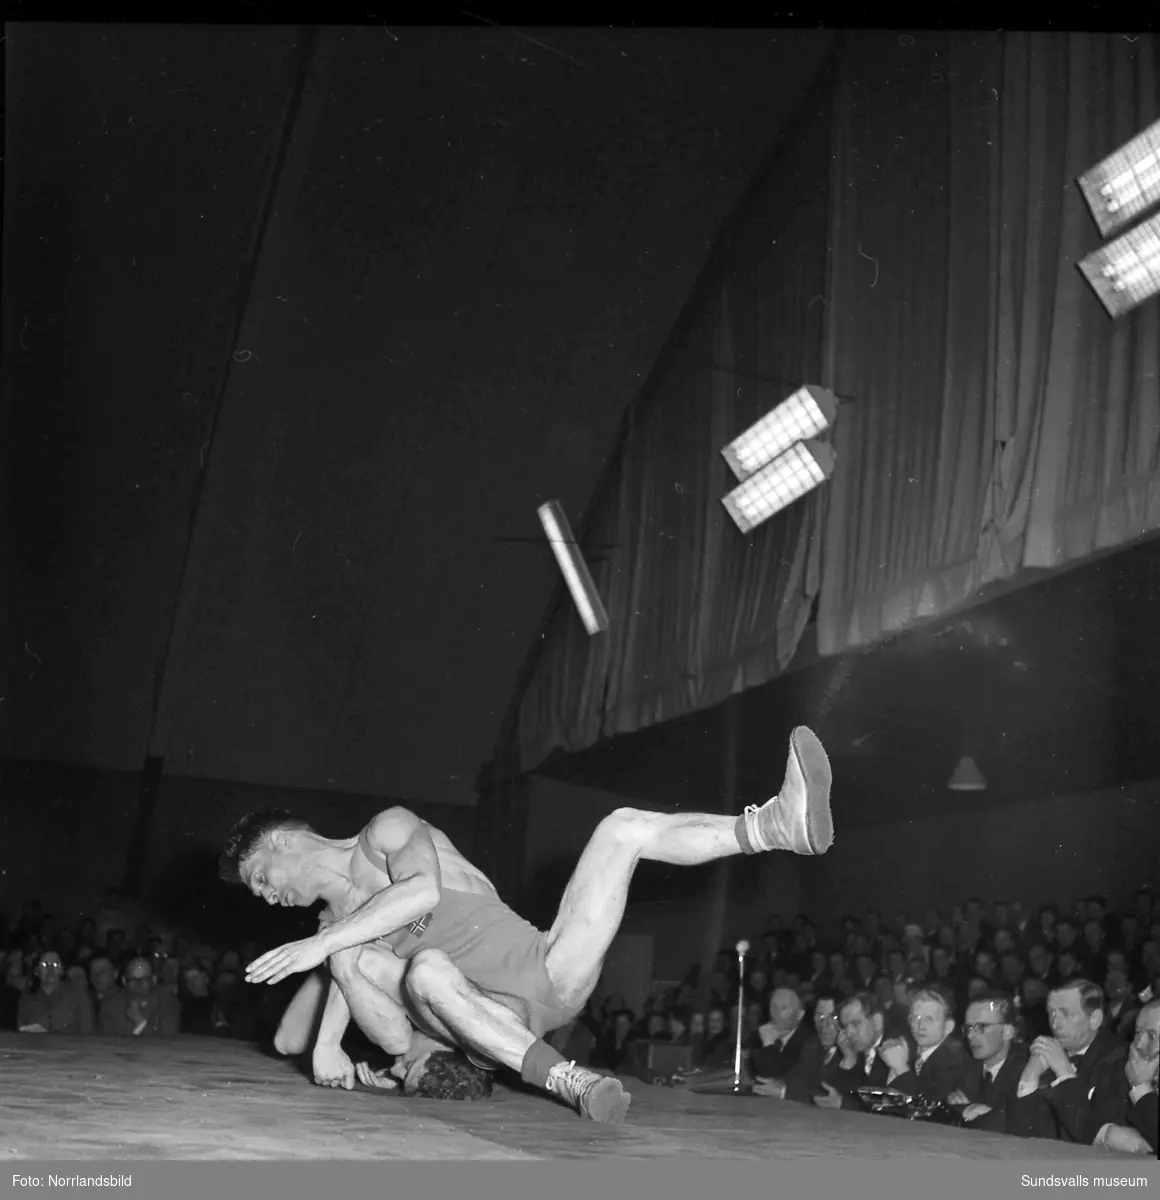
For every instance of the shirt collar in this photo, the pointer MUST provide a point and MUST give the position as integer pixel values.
(923, 1055)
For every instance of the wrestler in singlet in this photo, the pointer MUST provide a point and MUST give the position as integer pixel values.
(493, 947)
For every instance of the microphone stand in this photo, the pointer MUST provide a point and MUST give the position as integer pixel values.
(737, 1086)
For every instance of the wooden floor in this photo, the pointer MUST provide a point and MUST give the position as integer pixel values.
(204, 1098)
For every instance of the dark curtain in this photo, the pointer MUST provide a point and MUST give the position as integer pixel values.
(697, 610)
(1002, 420)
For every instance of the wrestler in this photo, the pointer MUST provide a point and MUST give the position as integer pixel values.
(407, 918)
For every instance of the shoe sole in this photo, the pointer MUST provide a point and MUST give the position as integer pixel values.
(815, 768)
(607, 1102)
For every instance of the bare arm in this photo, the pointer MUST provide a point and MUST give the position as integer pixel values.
(335, 1018)
(413, 892)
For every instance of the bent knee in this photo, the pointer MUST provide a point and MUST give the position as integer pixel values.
(289, 1042)
(624, 826)
(429, 968)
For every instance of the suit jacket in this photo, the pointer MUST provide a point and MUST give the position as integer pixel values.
(944, 1071)
(1123, 1024)
(857, 1076)
(998, 1094)
(1037, 1116)
(160, 1007)
(776, 1061)
(816, 1066)
(895, 1021)
(1082, 1111)
(66, 1010)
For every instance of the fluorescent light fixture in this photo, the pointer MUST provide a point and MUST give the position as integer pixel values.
(1126, 184)
(807, 413)
(1126, 272)
(967, 777)
(776, 486)
(574, 568)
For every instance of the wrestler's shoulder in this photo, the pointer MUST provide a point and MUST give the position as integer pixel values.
(394, 826)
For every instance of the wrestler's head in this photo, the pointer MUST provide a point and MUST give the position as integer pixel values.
(265, 852)
(443, 1075)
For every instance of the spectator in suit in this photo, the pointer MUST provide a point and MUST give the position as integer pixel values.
(54, 1004)
(864, 970)
(1048, 918)
(717, 1050)
(860, 1037)
(783, 1038)
(1066, 937)
(1041, 964)
(895, 1001)
(818, 1062)
(1012, 968)
(942, 967)
(839, 969)
(1079, 1041)
(1033, 1022)
(1150, 958)
(1067, 968)
(142, 1008)
(1129, 941)
(1123, 1007)
(985, 966)
(997, 1062)
(1118, 1109)
(939, 1065)
(895, 964)
(1095, 949)
(102, 980)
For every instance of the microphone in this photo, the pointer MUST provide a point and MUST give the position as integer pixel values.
(743, 948)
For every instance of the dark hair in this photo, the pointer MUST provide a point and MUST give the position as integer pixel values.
(871, 1006)
(1091, 995)
(248, 833)
(450, 1075)
(1002, 1002)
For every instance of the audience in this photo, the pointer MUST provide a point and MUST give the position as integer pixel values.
(939, 1063)
(991, 1080)
(141, 1008)
(1042, 1025)
(53, 1004)
(62, 977)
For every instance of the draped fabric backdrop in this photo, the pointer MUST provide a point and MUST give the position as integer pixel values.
(1003, 421)
(999, 419)
(697, 610)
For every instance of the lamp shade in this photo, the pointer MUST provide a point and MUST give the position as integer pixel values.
(967, 777)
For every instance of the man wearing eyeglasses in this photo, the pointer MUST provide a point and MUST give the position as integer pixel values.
(992, 1078)
(815, 1066)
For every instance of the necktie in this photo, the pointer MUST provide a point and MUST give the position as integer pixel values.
(918, 1065)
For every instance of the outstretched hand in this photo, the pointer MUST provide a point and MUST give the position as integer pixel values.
(290, 959)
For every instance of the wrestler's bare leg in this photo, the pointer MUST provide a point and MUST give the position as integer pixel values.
(452, 1005)
(797, 819)
(370, 980)
(299, 1025)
